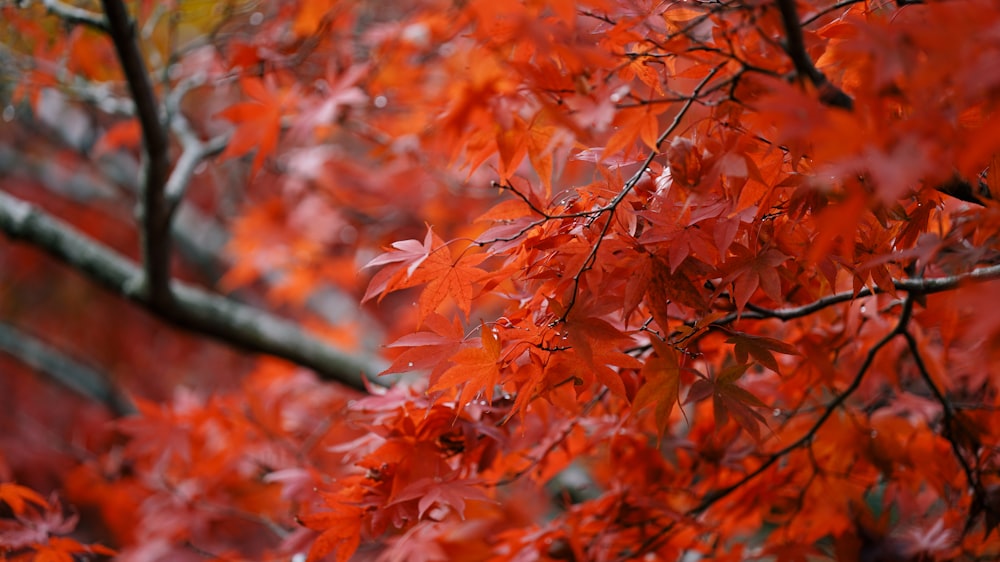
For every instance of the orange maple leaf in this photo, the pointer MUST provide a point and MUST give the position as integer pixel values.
(258, 122)
(635, 123)
(405, 257)
(340, 530)
(640, 68)
(413, 263)
(18, 497)
(452, 279)
(476, 370)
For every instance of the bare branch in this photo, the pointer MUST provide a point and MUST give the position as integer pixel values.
(199, 238)
(191, 308)
(74, 15)
(101, 96)
(154, 214)
(194, 152)
(63, 369)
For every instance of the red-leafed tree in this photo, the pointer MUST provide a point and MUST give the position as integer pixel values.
(500, 280)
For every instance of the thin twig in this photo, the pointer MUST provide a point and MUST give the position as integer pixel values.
(193, 153)
(709, 500)
(950, 414)
(913, 286)
(825, 11)
(631, 183)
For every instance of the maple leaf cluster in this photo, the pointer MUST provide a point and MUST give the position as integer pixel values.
(649, 280)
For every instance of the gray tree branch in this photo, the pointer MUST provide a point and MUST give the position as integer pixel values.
(200, 238)
(63, 369)
(190, 307)
(75, 15)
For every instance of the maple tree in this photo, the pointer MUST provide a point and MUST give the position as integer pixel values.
(535, 280)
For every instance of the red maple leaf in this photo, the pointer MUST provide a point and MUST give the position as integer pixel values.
(748, 271)
(661, 386)
(476, 370)
(258, 122)
(730, 399)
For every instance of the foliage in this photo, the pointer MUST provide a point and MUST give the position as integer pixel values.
(643, 279)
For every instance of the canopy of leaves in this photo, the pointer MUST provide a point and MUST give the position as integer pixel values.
(643, 280)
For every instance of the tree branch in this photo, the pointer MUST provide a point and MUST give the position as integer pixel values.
(963, 190)
(913, 286)
(194, 152)
(154, 211)
(191, 308)
(710, 499)
(199, 238)
(63, 369)
(951, 423)
(827, 10)
(77, 16)
(796, 49)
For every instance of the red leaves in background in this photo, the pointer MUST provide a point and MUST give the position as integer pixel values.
(685, 161)
(613, 290)
(19, 497)
(258, 122)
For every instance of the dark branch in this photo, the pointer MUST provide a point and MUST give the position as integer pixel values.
(951, 422)
(710, 499)
(199, 238)
(154, 212)
(913, 286)
(796, 49)
(963, 190)
(191, 308)
(825, 11)
(904, 319)
(63, 369)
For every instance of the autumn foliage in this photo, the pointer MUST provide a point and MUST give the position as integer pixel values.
(500, 280)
